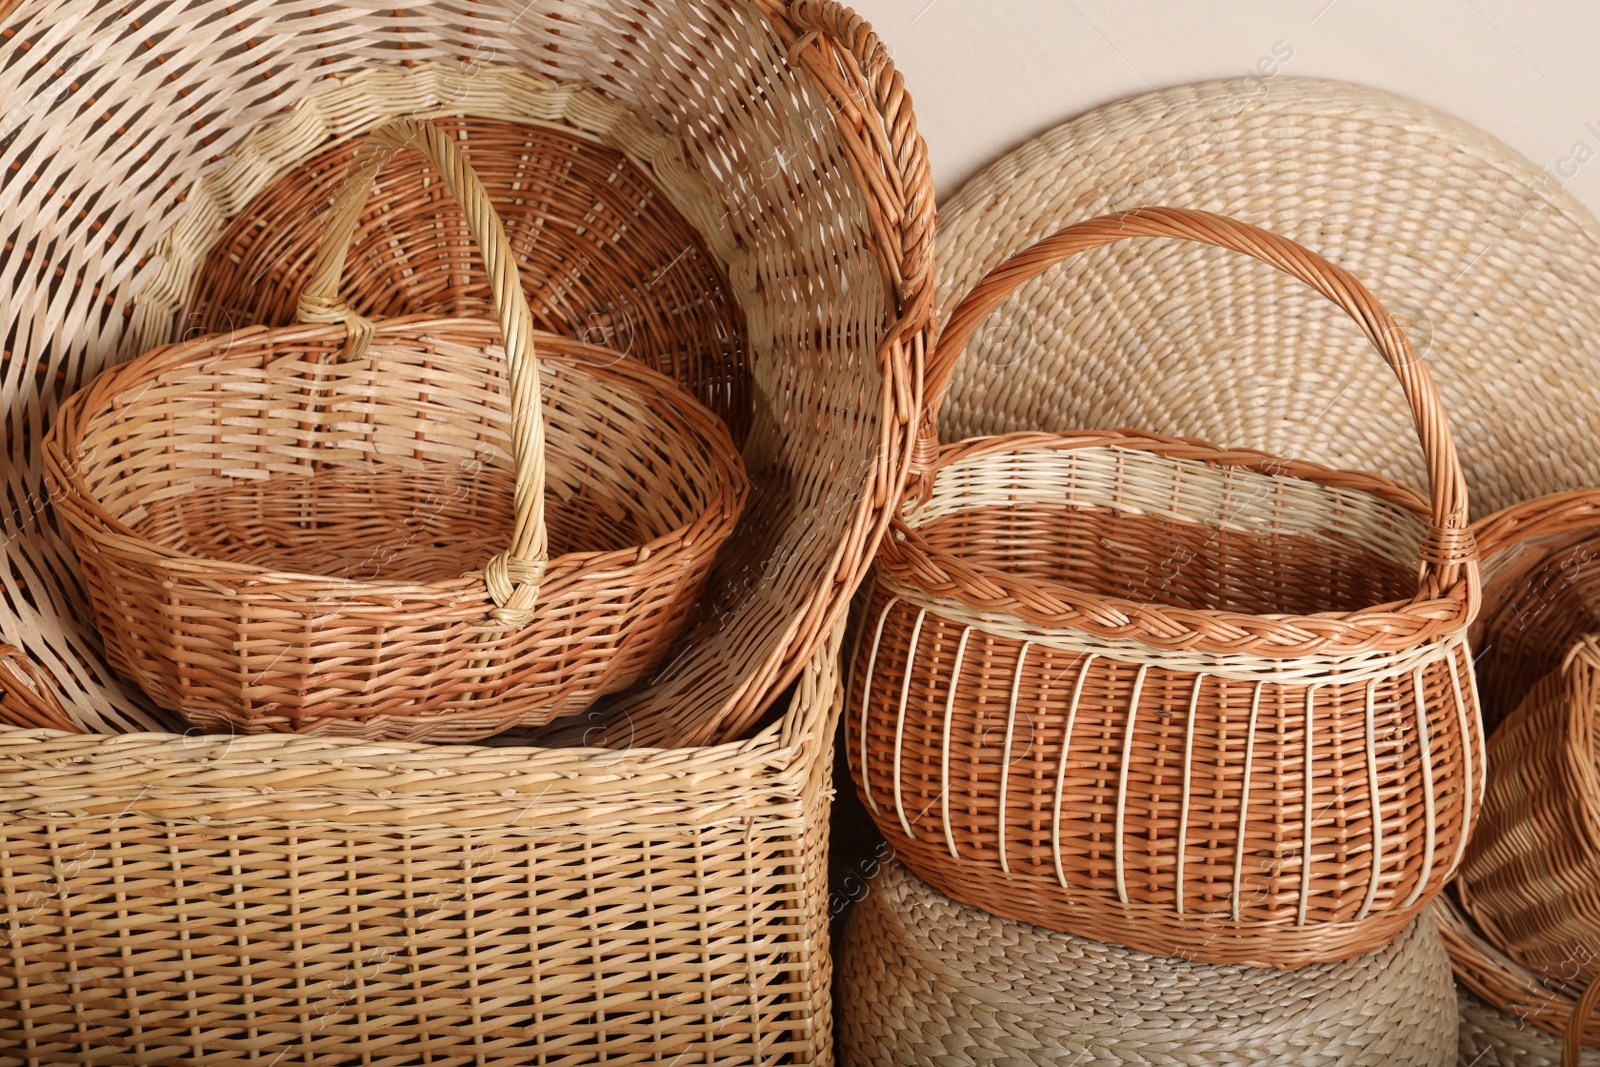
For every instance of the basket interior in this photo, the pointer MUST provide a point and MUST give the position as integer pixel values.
(1138, 526)
(400, 469)
(603, 255)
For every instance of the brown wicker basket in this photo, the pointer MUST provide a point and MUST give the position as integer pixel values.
(1531, 875)
(1541, 593)
(1523, 996)
(296, 529)
(1195, 701)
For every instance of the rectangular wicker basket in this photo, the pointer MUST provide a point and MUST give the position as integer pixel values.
(215, 900)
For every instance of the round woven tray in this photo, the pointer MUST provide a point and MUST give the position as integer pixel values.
(1494, 270)
(923, 979)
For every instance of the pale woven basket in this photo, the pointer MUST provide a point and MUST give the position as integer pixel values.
(1493, 269)
(923, 979)
(256, 899)
(833, 152)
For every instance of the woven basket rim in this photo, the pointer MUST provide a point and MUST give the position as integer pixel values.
(908, 554)
(724, 474)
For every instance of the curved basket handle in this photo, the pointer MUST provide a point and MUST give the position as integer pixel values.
(1572, 1043)
(512, 576)
(1449, 546)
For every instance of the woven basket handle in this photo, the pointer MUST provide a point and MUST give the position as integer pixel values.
(1449, 546)
(1572, 1043)
(512, 576)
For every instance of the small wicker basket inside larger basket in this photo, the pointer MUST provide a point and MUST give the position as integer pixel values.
(296, 529)
(1196, 701)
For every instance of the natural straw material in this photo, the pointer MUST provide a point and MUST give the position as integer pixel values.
(1541, 593)
(1491, 1038)
(1531, 875)
(604, 257)
(289, 899)
(1527, 998)
(1493, 267)
(1191, 700)
(124, 158)
(342, 529)
(923, 979)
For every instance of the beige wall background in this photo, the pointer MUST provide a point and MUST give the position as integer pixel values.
(986, 75)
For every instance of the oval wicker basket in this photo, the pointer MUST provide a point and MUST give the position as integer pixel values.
(923, 979)
(1522, 998)
(301, 528)
(1531, 874)
(603, 255)
(1191, 700)
(1541, 594)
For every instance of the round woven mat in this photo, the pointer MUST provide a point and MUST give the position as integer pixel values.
(1492, 267)
(923, 979)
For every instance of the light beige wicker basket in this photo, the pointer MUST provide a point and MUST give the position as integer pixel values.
(923, 979)
(260, 899)
(413, 528)
(837, 298)
(1492, 267)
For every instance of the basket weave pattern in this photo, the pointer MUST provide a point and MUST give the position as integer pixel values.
(603, 257)
(923, 979)
(1187, 699)
(1531, 876)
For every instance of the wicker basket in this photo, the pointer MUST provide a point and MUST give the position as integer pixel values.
(1492, 266)
(835, 295)
(923, 979)
(257, 898)
(1541, 594)
(304, 529)
(1151, 691)
(603, 256)
(1531, 875)
(1522, 998)
(592, 937)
